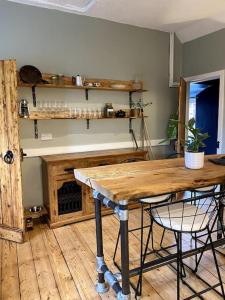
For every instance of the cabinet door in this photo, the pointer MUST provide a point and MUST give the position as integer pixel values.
(11, 208)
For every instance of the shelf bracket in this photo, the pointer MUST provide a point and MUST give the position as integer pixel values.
(88, 123)
(131, 131)
(86, 94)
(34, 96)
(130, 99)
(35, 129)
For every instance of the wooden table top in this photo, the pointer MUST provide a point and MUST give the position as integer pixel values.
(149, 178)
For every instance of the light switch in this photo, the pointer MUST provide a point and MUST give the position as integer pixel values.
(46, 136)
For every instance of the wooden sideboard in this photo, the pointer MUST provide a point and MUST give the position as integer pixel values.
(68, 200)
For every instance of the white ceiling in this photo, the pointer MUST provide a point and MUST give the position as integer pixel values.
(190, 19)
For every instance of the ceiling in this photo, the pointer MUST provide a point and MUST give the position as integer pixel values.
(190, 19)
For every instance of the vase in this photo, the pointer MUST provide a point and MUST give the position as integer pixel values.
(194, 160)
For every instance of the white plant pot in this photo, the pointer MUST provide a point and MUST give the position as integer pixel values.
(194, 160)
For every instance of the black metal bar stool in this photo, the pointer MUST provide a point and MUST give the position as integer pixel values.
(203, 190)
(218, 221)
(186, 217)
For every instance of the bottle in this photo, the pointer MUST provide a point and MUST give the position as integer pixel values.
(108, 110)
(23, 109)
(61, 79)
(79, 80)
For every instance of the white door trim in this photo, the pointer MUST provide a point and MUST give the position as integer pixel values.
(210, 76)
(172, 83)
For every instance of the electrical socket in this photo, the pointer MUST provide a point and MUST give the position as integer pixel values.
(46, 136)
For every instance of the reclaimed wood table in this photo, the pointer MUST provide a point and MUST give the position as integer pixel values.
(116, 185)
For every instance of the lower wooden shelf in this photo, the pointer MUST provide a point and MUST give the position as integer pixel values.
(67, 115)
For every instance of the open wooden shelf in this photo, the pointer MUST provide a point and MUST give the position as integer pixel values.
(66, 115)
(66, 86)
(106, 84)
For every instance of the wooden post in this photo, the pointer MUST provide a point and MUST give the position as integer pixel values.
(11, 208)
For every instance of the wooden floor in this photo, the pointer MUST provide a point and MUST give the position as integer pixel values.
(60, 264)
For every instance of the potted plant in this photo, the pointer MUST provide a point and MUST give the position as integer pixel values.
(137, 107)
(172, 130)
(194, 156)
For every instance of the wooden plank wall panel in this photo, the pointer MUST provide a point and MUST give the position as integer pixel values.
(13, 143)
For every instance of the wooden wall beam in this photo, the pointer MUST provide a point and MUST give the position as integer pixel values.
(11, 208)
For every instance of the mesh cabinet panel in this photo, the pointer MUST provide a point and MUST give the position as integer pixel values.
(69, 198)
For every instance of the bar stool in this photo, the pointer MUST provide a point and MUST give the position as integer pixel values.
(203, 190)
(184, 217)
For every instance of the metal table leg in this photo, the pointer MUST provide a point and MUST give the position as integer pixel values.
(104, 273)
(123, 215)
(101, 286)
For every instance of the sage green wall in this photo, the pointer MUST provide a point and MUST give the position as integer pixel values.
(70, 44)
(205, 54)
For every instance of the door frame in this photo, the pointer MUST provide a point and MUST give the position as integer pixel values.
(205, 77)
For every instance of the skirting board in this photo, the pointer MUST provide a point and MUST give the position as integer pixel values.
(84, 148)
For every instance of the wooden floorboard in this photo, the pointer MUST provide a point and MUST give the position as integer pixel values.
(60, 264)
(27, 275)
(10, 274)
(46, 280)
(63, 277)
(73, 252)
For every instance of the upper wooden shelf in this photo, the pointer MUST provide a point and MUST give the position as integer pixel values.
(105, 84)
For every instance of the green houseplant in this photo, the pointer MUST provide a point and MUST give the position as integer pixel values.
(172, 130)
(194, 156)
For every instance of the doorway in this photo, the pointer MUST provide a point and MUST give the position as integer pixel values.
(205, 102)
(204, 106)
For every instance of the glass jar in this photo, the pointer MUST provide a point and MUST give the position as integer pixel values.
(108, 110)
(54, 79)
(61, 79)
